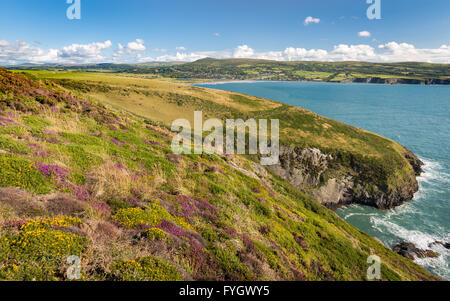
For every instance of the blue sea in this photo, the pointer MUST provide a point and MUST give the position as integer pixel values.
(418, 117)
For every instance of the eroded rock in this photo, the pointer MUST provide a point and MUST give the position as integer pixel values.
(410, 251)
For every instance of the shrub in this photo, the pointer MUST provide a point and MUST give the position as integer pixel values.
(37, 252)
(83, 139)
(13, 146)
(37, 243)
(151, 215)
(51, 223)
(262, 209)
(82, 158)
(216, 189)
(118, 204)
(155, 234)
(30, 271)
(18, 172)
(233, 268)
(35, 122)
(144, 269)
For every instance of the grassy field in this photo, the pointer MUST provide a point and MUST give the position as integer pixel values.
(96, 178)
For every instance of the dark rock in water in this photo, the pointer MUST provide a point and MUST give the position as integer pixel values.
(430, 254)
(444, 244)
(410, 251)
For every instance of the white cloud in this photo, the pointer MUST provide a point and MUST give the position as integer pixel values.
(18, 52)
(394, 51)
(119, 50)
(217, 34)
(310, 20)
(364, 34)
(352, 53)
(82, 52)
(243, 51)
(186, 57)
(292, 54)
(135, 46)
(180, 48)
(22, 52)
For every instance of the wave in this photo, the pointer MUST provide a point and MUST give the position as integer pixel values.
(396, 225)
(433, 172)
(421, 240)
(248, 81)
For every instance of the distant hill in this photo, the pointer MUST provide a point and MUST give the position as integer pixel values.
(245, 69)
(255, 69)
(95, 67)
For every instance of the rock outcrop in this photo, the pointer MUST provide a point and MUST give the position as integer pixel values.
(307, 169)
(399, 81)
(410, 251)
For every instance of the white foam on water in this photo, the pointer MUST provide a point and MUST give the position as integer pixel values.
(432, 183)
(440, 265)
(422, 241)
(358, 214)
(433, 172)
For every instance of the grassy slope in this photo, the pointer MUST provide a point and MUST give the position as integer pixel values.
(381, 161)
(138, 212)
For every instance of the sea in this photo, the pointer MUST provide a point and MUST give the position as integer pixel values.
(417, 117)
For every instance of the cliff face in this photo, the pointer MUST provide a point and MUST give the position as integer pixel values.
(400, 81)
(311, 170)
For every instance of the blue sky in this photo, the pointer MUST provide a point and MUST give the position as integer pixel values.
(146, 30)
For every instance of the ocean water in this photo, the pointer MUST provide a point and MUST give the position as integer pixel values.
(417, 117)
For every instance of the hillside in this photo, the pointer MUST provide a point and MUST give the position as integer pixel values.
(350, 166)
(360, 72)
(85, 177)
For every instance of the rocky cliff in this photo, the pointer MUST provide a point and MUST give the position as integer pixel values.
(399, 81)
(311, 170)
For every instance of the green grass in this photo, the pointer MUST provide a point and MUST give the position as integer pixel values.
(18, 172)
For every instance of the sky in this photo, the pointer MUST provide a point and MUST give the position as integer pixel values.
(136, 31)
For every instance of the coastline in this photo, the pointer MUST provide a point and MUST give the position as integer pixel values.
(388, 82)
(416, 221)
